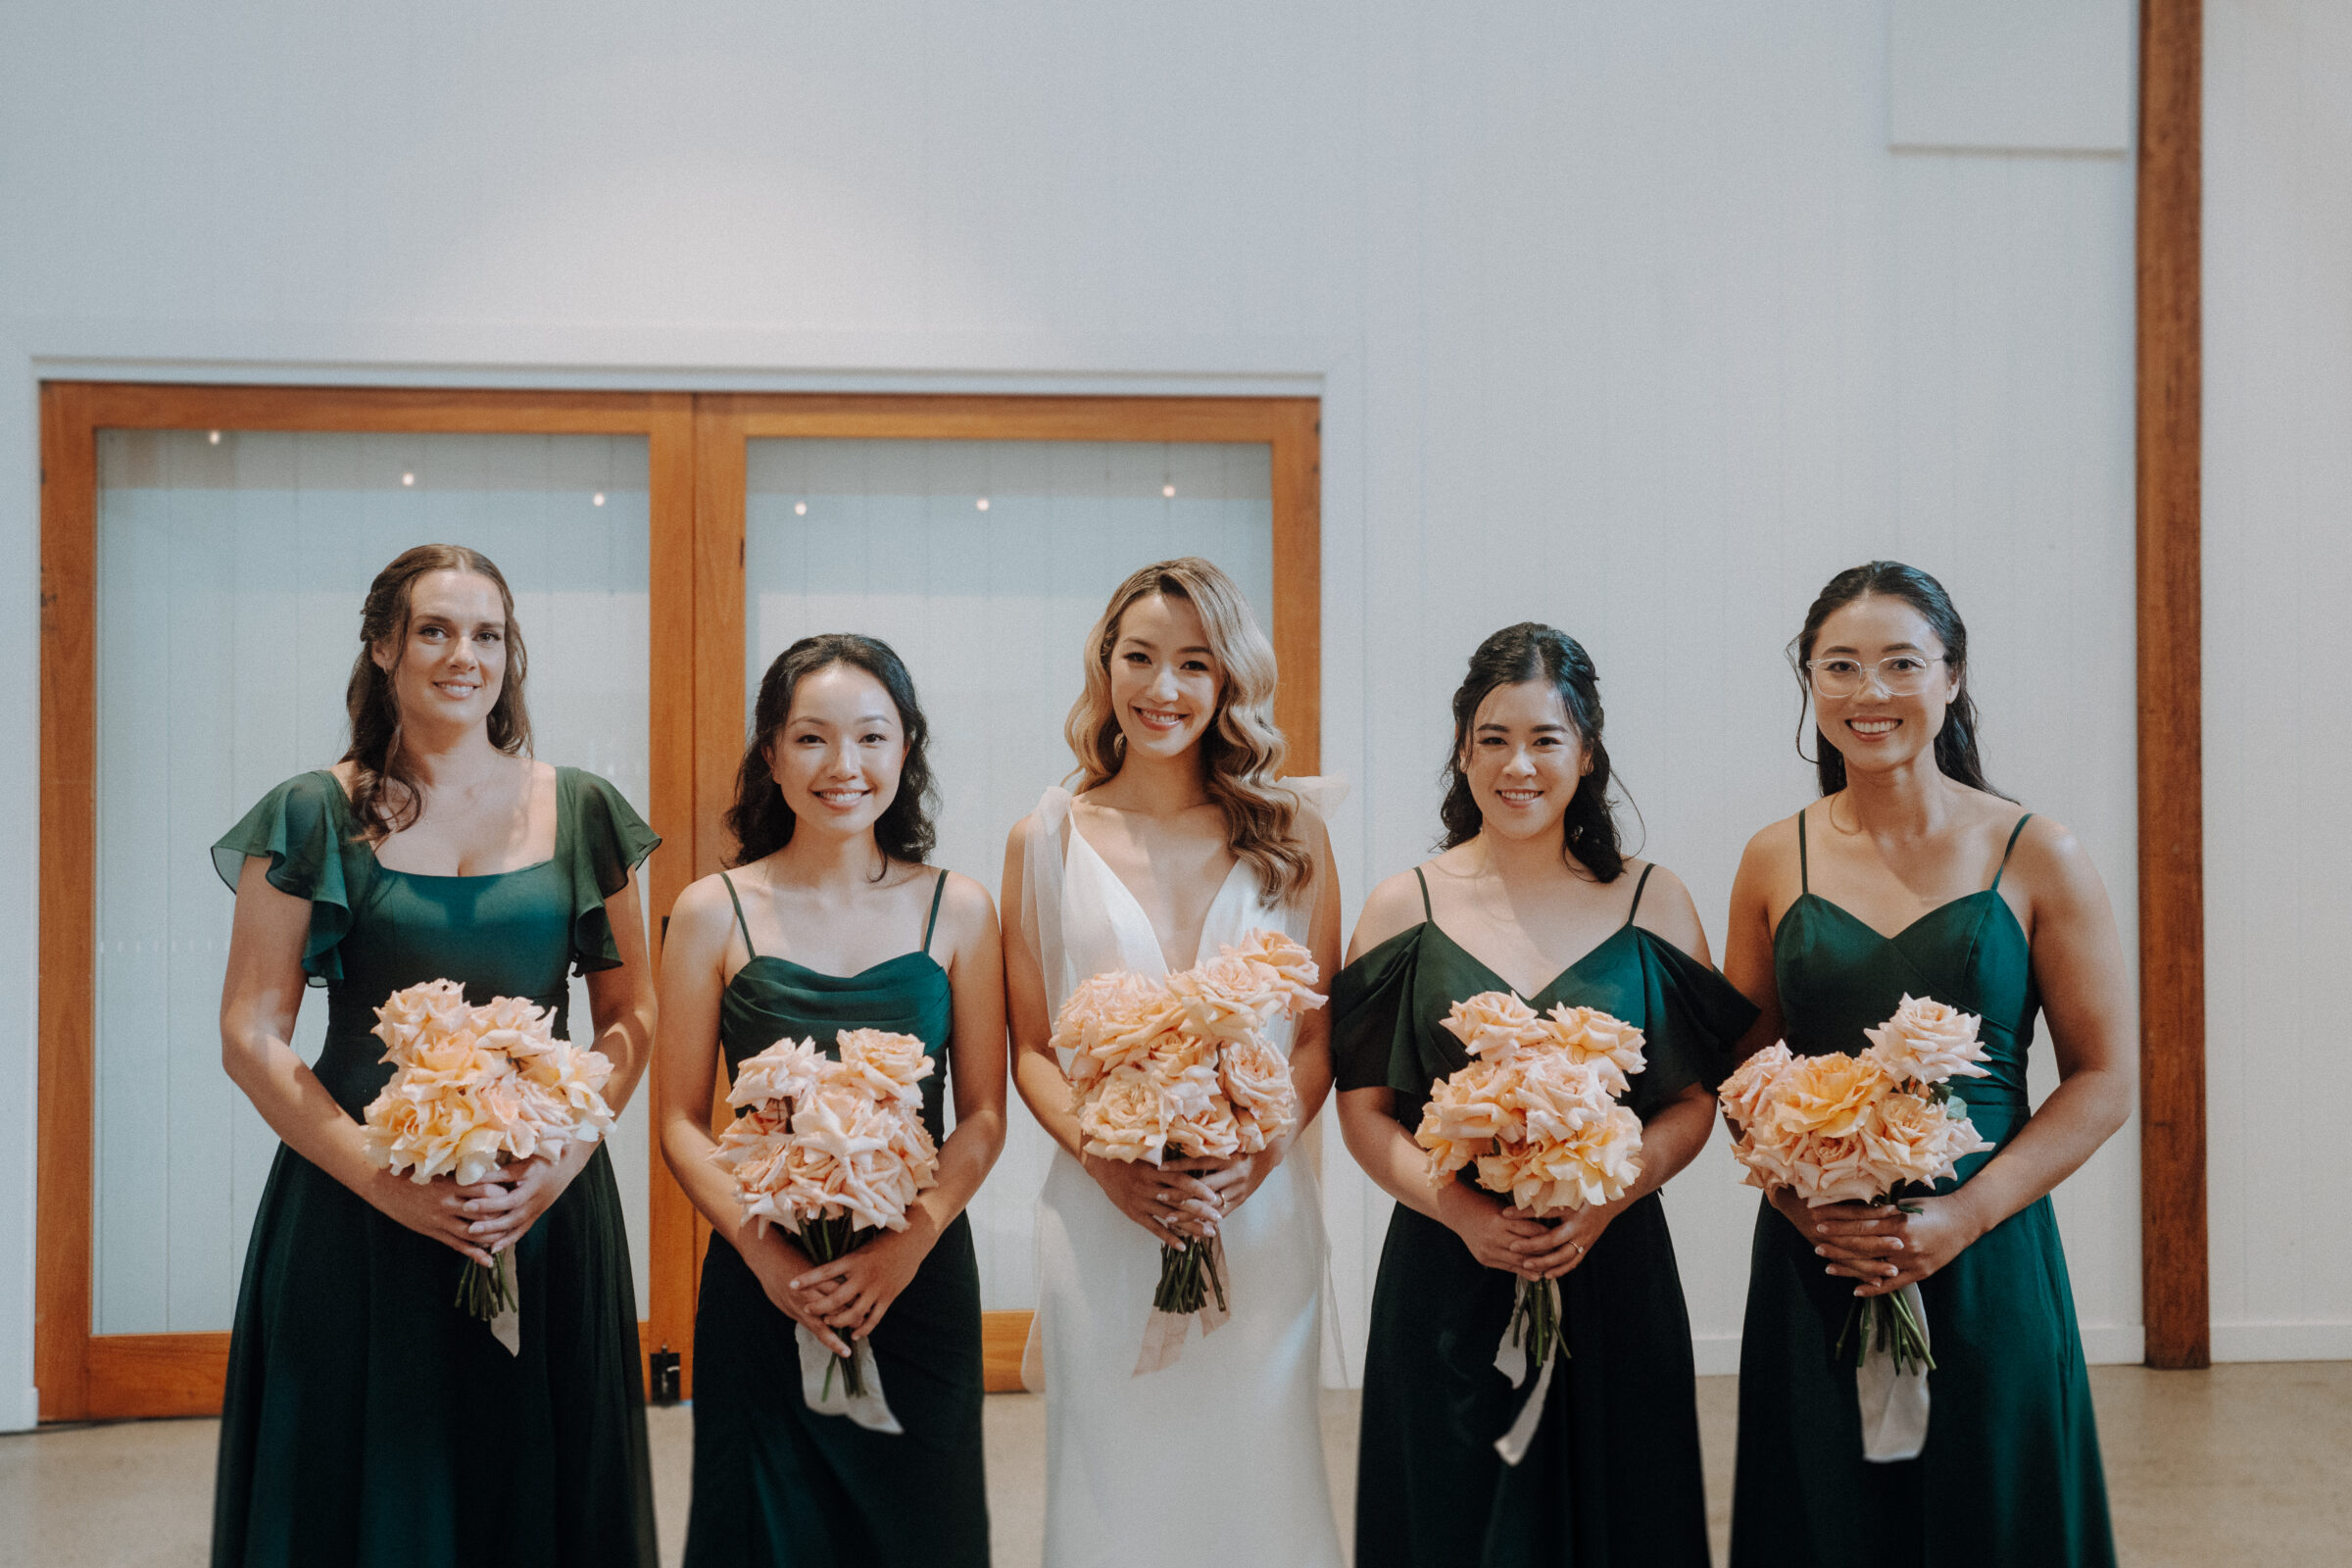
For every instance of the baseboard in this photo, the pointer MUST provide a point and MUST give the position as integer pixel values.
(2114, 1343)
(2282, 1342)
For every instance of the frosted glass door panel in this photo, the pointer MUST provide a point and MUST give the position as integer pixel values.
(230, 574)
(984, 564)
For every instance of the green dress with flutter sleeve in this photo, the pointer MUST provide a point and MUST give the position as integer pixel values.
(774, 1481)
(2010, 1473)
(369, 1421)
(1613, 1475)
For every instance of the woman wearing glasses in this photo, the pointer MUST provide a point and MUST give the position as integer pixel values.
(1911, 876)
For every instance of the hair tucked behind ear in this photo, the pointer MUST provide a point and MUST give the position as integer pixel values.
(1955, 743)
(760, 821)
(383, 786)
(1532, 650)
(1240, 752)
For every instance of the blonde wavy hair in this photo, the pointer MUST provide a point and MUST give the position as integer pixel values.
(1240, 752)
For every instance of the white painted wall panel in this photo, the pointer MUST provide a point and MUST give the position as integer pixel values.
(1624, 317)
(2278, 730)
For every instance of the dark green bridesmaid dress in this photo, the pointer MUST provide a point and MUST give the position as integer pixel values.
(1613, 1475)
(2010, 1474)
(367, 1421)
(773, 1481)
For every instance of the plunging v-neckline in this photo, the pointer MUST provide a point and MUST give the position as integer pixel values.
(1207, 915)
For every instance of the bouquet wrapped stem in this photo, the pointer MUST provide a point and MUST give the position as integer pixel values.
(487, 1292)
(1188, 1274)
(1535, 1320)
(824, 1239)
(1886, 1324)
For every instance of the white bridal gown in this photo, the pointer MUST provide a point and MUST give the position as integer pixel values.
(1217, 1459)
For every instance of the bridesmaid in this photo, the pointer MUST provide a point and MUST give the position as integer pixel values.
(830, 920)
(366, 1419)
(1178, 841)
(1912, 875)
(1531, 873)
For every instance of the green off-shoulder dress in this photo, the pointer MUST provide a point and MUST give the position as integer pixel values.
(1613, 1475)
(774, 1481)
(369, 1422)
(2010, 1474)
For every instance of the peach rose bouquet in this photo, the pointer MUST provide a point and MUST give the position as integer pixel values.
(1184, 1064)
(1846, 1129)
(471, 1088)
(1535, 1114)
(833, 1148)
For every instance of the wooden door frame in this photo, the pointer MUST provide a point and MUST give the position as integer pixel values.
(81, 1374)
(724, 424)
(2176, 1293)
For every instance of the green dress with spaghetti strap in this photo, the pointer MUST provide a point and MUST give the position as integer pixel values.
(367, 1421)
(774, 1481)
(1613, 1475)
(2010, 1473)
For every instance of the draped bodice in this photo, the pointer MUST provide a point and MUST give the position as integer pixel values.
(771, 998)
(1838, 976)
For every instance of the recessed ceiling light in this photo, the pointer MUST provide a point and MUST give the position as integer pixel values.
(799, 509)
(407, 478)
(982, 503)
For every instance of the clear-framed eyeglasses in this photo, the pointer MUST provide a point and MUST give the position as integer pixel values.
(1898, 676)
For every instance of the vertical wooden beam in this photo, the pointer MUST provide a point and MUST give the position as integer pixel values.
(2175, 1289)
(68, 903)
(669, 733)
(1297, 629)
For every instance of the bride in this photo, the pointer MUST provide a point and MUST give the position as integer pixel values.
(1177, 841)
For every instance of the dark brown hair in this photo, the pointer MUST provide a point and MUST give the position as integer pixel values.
(760, 821)
(1955, 743)
(1533, 650)
(384, 789)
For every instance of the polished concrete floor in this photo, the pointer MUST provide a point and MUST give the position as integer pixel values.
(2246, 1464)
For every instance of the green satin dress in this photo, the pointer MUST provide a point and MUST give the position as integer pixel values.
(368, 1420)
(2010, 1474)
(773, 1481)
(1613, 1476)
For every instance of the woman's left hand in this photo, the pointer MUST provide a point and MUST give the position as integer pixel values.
(1885, 1246)
(852, 1291)
(1232, 1180)
(1566, 1246)
(503, 1215)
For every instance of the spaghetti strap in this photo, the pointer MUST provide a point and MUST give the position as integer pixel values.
(741, 923)
(1427, 914)
(2009, 850)
(1804, 881)
(1638, 887)
(938, 887)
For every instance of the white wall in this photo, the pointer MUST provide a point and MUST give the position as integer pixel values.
(2278, 726)
(1624, 317)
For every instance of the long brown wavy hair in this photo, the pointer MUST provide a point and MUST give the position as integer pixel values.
(383, 787)
(1240, 750)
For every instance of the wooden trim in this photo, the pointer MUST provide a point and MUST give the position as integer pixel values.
(670, 737)
(2175, 1289)
(1003, 1336)
(1008, 418)
(80, 1374)
(139, 1375)
(68, 904)
(1298, 630)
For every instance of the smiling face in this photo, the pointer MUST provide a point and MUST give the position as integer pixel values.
(1874, 729)
(1523, 759)
(450, 665)
(1165, 678)
(840, 752)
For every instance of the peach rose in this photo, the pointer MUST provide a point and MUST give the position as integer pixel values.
(1226, 997)
(1210, 1133)
(1829, 1095)
(1125, 1118)
(1292, 972)
(1928, 1042)
(1468, 1110)
(1114, 1018)
(1257, 1079)
(1587, 1034)
(1555, 1097)
(783, 1072)
(892, 1065)
(1747, 1093)
(1492, 1023)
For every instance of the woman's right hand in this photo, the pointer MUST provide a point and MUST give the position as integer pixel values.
(1498, 1236)
(437, 1208)
(1167, 1202)
(775, 1263)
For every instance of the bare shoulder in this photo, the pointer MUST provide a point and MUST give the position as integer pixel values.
(1667, 908)
(1395, 905)
(962, 900)
(1772, 849)
(703, 914)
(2049, 858)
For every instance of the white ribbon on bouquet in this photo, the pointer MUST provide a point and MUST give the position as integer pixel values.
(1894, 1404)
